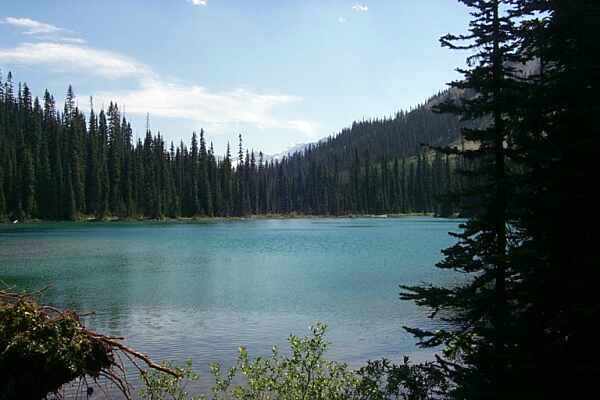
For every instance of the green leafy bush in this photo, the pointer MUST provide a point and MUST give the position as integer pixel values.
(162, 386)
(305, 374)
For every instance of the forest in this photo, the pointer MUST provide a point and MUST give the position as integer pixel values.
(61, 165)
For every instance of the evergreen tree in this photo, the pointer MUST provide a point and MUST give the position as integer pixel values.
(241, 181)
(150, 187)
(213, 173)
(193, 204)
(555, 145)
(115, 159)
(93, 161)
(70, 211)
(2, 197)
(226, 179)
(29, 183)
(204, 187)
(111, 175)
(103, 157)
(478, 344)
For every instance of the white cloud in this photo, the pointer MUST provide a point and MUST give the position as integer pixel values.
(31, 26)
(63, 39)
(198, 2)
(72, 40)
(41, 30)
(220, 110)
(341, 20)
(72, 57)
(198, 103)
(360, 7)
(156, 95)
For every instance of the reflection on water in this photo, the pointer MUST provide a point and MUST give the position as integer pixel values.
(199, 291)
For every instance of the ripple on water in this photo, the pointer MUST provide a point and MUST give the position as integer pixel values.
(200, 291)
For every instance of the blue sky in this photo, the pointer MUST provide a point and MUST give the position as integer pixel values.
(280, 72)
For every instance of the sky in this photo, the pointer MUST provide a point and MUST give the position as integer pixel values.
(280, 72)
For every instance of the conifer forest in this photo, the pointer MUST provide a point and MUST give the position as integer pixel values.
(60, 164)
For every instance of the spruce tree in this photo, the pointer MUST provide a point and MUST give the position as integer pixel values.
(215, 184)
(93, 168)
(28, 185)
(478, 342)
(115, 159)
(240, 180)
(103, 159)
(2, 197)
(204, 187)
(150, 195)
(194, 207)
(556, 146)
(69, 210)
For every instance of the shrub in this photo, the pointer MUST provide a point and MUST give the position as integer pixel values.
(305, 374)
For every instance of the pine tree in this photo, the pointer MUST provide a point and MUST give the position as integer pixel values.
(194, 206)
(77, 132)
(240, 181)
(215, 184)
(556, 145)
(2, 197)
(356, 191)
(478, 343)
(70, 211)
(103, 157)
(115, 159)
(58, 183)
(127, 181)
(69, 112)
(29, 183)
(204, 186)
(150, 196)
(93, 180)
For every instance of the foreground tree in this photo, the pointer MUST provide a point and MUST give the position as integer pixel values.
(519, 327)
(478, 346)
(556, 145)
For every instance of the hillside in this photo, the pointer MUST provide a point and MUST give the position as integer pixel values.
(64, 165)
(373, 166)
(399, 136)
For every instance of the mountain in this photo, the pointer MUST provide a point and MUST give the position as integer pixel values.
(406, 131)
(374, 166)
(290, 151)
(402, 135)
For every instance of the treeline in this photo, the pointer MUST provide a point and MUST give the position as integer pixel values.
(62, 165)
(369, 186)
(379, 166)
(402, 135)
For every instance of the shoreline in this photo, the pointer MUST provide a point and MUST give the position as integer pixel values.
(205, 219)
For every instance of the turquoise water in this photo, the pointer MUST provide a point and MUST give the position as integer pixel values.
(200, 291)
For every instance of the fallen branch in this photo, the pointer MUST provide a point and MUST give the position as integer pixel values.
(136, 354)
(42, 348)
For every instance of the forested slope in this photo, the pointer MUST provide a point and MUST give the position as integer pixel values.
(64, 165)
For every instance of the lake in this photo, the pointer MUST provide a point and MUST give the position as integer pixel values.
(200, 291)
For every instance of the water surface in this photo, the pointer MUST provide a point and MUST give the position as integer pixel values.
(200, 291)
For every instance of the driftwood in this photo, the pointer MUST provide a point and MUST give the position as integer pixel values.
(96, 355)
